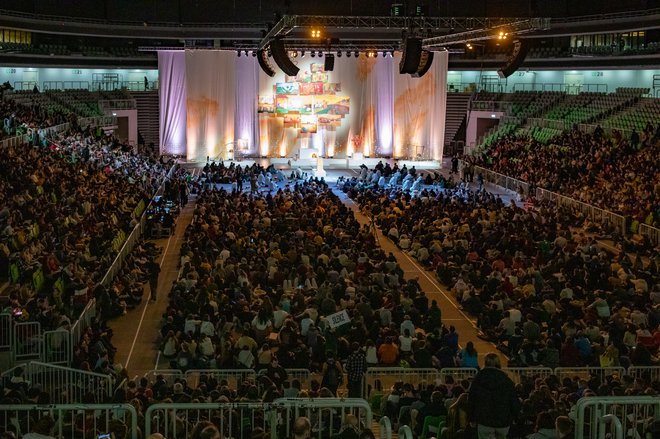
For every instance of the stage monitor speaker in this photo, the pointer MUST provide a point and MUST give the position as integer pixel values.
(329, 64)
(282, 58)
(262, 57)
(520, 49)
(425, 62)
(412, 52)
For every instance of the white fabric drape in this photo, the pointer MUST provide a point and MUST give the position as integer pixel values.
(172, 90)
(246, 119)
(419, 110)
(211, 88)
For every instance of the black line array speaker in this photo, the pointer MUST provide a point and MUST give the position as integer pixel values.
(329, 64)
(520, 49)
(412, 52)
(262, 57)
(425, 61)
(282, 58)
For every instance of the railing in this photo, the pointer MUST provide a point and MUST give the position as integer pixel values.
(520, 374)
(651, 232)
(103, 121)
(64, 384)
(234, 377)
(635, 413)
(592, 212)
(387, 376)
(502, 180)
(26, 342)
(326, 414)
(57, 347)
(6, 327)
(560, 87)
(385, 428)
(117, 104)
(457, 374)
(65, 85)
(588, 372)
(169, 375)
(24, 85)
(648, 373)
(139, 85)
(241, 420)
(92, 419)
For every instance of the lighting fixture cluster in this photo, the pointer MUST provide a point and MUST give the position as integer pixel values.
(316, 33)
(502, 35)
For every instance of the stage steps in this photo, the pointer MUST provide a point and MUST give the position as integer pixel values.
(147, 104)
(457, 106)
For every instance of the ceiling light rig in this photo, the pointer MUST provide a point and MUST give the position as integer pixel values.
(316, 33)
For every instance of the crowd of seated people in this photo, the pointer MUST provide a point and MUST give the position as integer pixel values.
(65, 209)
(616, 174)
(17, 118)
(548, 294)
(255, 177)
(260, 274)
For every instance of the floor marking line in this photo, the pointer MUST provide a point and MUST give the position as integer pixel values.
(144, 310)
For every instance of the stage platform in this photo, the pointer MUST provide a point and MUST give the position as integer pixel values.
(328, 163)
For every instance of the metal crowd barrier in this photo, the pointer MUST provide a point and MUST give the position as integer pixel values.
(587, 372)
(240, 420)
(64, 384)
(234, 377)
(385, 428)
(26, 342)
(6, 329)
(651, 232)
(520, 374)
(169, 375)
(57, 347)
(500, 180)
(635, 414)
(457, 374)
(592, 212)
(650, 373)
(71, 420)
(326, 415)
(405, 432)
(388, 376)
(236, 420)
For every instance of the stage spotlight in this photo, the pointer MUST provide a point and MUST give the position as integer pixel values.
(320, 54)
(348, 54)
(316, 33)
(339, 54)
(357, 53)
(238, 53)
(371, 54)
(281, 58)
(254, 53)
(302, 53)
(469, 46)
(262, 59)
(313, 54)
(293, 54)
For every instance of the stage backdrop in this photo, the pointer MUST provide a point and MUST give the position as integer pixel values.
(364, 106)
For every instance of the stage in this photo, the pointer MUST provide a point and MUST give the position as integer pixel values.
(215, 104)
(328, 163)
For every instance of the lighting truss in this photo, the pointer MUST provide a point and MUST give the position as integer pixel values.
(290, 22)
(516, 28)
